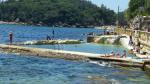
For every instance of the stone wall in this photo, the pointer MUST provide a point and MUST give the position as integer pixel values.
(142, 36)
(41, 52)
(93, 39)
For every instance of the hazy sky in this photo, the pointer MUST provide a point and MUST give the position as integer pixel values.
(113, 4)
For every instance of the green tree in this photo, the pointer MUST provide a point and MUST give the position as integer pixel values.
(138, 7)
(56, 12)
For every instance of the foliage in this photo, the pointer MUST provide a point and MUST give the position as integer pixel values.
(138, 7)
(122, 19)
(56, 12)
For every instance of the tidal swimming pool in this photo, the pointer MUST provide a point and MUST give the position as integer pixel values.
(87, 48)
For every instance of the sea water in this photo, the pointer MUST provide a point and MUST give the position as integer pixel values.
(28, 33)
(16, 69)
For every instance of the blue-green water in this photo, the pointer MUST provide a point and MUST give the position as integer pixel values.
(86, 47)
(15, 69)
(35, 70)
(25, 33)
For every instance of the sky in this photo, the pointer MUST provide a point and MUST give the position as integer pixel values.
(112, 4)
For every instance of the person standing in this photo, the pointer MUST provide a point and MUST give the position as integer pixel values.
(10, 37)
(53, 33)
(130, 41)
(138, 47)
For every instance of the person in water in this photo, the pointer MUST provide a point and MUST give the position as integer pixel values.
(124, 54)
(118, 55)
(48, 37)
(10, 37)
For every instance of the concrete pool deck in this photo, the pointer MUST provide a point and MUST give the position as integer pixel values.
(73, 55)
(46, 52)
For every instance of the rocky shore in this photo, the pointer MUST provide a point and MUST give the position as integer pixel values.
(3, 22)
(46, 42)
(42, 52)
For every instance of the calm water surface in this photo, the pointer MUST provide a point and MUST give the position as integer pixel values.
(25, 33)
(16, 69)
(87, 47)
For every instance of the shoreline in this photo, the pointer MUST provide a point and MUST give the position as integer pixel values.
(109, 27)
(4, 22)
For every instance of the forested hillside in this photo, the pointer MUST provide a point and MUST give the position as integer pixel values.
(56, 12)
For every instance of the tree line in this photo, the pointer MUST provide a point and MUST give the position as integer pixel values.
(137, 7)
(56, 12)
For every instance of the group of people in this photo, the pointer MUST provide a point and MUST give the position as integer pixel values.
(135, 47)
(118, 55)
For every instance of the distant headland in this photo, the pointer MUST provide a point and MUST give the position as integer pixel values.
(77, 13)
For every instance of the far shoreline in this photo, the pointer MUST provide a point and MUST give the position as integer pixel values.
(58, 26)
